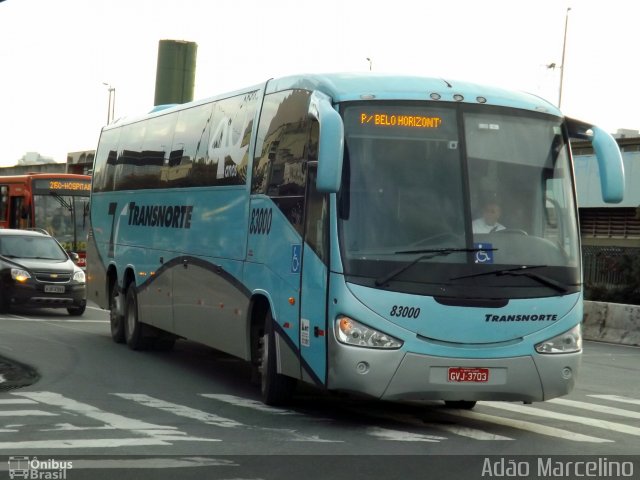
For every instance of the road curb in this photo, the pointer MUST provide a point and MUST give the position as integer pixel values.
(14, 374)
(611, 322)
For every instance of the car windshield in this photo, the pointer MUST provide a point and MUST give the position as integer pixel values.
(16, 246)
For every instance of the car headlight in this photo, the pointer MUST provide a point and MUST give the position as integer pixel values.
(567, 342)
(355, 333)
(20, 275)
(79, 276)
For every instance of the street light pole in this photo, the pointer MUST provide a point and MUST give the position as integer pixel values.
(111, 107)
(370, 62)
(564, 48)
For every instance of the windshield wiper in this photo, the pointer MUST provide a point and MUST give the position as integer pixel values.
(522, 271)
(61, 201)
(424, 255)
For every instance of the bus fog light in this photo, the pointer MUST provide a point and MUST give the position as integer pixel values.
(350, 332)
(567, 373)
(362, 367)
(567, 342)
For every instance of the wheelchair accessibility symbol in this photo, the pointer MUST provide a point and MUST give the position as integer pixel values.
(482, 255)
(296, 252)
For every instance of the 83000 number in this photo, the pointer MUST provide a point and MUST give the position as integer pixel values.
(404, 312)
(260, 221)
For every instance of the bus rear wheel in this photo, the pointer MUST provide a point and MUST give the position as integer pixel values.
(115, 319)
(276, 389)
(133, 329)
(460, 404)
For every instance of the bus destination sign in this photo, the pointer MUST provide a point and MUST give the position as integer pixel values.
(62, 186)
(398, 120)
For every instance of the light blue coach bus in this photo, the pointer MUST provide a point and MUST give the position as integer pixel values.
(322, 227)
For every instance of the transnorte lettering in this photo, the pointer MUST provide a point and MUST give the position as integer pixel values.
(521, 318)
(168, 216)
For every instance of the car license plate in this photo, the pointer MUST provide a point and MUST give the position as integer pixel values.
(54, 288)
(468, 375)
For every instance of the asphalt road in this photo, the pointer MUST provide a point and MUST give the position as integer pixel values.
(118, 413)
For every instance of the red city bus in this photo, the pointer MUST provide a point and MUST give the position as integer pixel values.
(55, 202)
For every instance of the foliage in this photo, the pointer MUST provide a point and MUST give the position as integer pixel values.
(628, 292)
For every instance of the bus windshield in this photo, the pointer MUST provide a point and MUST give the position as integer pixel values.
(62, 209)
(490, 187)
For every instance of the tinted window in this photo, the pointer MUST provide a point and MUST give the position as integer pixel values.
(129, 163)
(229, 141)
(282, 147)
(105, 161)
(189, 147)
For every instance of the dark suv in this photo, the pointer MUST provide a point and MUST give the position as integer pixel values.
(35, 271)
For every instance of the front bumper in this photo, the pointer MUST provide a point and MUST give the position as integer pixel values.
(401, 375)
(75, 295)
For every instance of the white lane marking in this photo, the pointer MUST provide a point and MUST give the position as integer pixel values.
(469, 432)
(159, 434)
(400, 436)
(295, 436)
(528, 426)
(83, 443)
(26, 413)
(594, 407)
(52, 319)
(68, 427)
(592, 422)
(16, 401)
(180, 410)
(248, 403)
(112, 419)
(455, 429)
(617, 398)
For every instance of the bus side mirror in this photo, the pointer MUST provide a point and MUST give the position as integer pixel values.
(610, 165)
(331, 143)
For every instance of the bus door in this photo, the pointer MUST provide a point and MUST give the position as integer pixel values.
(313, 289)
(4, 206)
(18, 211)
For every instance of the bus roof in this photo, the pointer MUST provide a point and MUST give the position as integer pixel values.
(344, 87)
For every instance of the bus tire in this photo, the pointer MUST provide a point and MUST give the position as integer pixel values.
(116, 320)
(276, 389)
(460, 404)
(133, 329)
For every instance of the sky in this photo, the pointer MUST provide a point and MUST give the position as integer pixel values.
(57, 55)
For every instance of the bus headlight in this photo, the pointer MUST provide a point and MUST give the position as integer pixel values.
(350, 332)
(79, 276)
(20, 275)
(567, 342)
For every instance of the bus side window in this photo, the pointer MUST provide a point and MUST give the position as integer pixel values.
(281, 152)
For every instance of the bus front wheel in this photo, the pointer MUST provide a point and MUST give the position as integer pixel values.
(276, 389)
